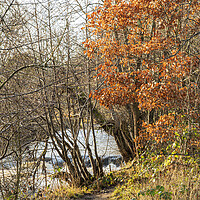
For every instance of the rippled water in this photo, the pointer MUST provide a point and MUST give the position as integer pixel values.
(107, 150)
(106, 146)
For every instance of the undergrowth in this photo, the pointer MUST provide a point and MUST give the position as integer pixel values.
(159, 177)
(63, 192)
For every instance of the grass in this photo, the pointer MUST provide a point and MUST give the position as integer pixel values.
(152, 178)
(168, 178)
(63, 192)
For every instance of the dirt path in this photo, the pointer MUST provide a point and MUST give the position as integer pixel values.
(104, 194)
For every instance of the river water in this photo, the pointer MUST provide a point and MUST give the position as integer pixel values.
(107, 150)
(106, 147)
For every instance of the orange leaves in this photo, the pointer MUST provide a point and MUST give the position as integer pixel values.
(139, 44)
(163, 130)
(90, 95)
(168, 129)
(144, 48)
(119, 89)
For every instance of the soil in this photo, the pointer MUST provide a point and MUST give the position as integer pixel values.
(103, 194)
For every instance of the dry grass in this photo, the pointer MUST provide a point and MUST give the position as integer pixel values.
(150, 179)
(63, 192)
(174, 180)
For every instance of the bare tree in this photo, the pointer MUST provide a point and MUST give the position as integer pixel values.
(44, 86)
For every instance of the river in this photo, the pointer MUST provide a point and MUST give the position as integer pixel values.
(107, 150)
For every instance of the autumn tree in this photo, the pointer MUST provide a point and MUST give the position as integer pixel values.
(150, 68)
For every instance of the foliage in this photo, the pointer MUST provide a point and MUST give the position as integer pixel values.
(159, 190)
(160, 179)
(150, 59)
(163, 177)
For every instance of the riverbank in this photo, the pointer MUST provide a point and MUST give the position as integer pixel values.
(160, 177)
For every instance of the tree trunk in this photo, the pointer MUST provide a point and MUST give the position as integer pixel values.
(119, 129)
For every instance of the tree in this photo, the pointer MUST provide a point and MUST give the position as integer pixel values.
(43, 83)
(150, 66)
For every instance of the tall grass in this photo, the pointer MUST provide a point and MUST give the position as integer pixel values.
(165, 178)
(152, 178)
